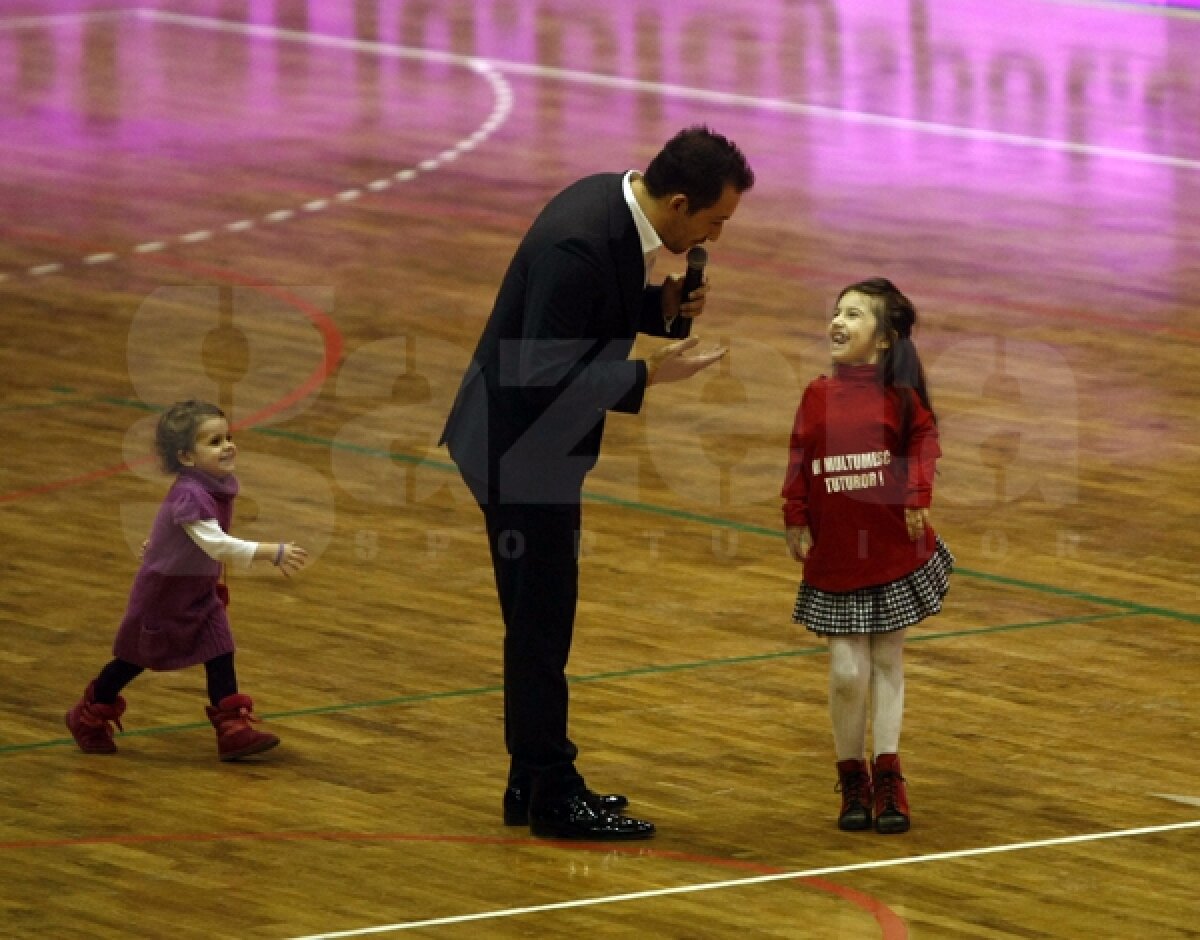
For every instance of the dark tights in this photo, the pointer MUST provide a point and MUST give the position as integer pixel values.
(222, 680)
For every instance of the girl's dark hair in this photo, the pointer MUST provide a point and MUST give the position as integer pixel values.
(698, 163)
(899, 366)
(177, 428)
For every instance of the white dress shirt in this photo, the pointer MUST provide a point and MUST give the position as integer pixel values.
(651, 243)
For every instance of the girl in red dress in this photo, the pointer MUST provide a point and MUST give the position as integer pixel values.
(856, 506)
(176, 613)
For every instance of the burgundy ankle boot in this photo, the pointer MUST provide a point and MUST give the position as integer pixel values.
(891, 796)
(89, 722)
(235, 738)
(854, 782)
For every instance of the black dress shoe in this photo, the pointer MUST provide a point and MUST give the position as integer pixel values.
(575, 817)
(516, 804)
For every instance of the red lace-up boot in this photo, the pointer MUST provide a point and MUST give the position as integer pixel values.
(891, 795)
(90, 722)
(854, 782)
(235, 738)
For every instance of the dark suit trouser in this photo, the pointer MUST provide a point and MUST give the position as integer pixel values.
(535, 559)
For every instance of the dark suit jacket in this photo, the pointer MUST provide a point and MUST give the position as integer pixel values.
(553, 358)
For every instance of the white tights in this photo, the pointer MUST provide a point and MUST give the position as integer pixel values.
(862, 668)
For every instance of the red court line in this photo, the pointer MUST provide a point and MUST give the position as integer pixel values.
(332, 342)
(893, 926)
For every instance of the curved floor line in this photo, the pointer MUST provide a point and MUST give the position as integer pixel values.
(501, 110)
(332, 344)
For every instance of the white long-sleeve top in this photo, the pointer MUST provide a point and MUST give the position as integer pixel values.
(219, 545)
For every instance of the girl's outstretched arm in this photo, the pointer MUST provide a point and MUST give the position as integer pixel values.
(219, 545)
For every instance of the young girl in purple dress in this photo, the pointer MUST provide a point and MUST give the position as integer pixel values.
(856, 507)
(176, 613)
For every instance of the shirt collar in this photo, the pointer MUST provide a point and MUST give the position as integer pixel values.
(651, 243)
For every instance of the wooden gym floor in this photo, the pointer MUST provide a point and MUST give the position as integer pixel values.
(302, 208)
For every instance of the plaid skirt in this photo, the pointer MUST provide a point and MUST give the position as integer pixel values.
(883, 608)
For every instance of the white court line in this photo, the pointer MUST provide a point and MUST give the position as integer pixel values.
(753, 880)
(1178, 798)
(492, 69)
(783, 106)
(501, 109)
(685, 92)
(1131, 6)
(52, 19)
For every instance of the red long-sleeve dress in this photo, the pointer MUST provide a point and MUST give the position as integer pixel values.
(850, 480)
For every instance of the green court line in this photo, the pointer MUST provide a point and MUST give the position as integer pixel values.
(1124, 608)
(43, 406)
(616, 675)
(729, 524)
(681, 514)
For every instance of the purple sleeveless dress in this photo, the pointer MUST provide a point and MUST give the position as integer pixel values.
(175, 616)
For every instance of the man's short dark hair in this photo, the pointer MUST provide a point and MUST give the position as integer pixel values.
(699, 164)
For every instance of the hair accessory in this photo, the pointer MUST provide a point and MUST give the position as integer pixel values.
(279, 554)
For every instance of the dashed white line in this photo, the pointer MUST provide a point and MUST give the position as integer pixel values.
(501, 108)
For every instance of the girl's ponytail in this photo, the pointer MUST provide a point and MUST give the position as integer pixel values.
(900, 364)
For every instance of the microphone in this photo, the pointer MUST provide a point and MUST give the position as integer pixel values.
(697, 258)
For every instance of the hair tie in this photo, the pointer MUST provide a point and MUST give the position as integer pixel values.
(279, 554)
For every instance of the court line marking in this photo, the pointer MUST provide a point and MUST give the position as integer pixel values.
(635, 672)
(766, 104)
(1132, 608)
(753, 880)
(53, 19)
(1178, 798)
(779, 105)
(493, 69)
(933, 128)
(1133, 7)
(892, 925)
(501, 110)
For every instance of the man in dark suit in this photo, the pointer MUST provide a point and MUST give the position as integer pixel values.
(526, 425)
